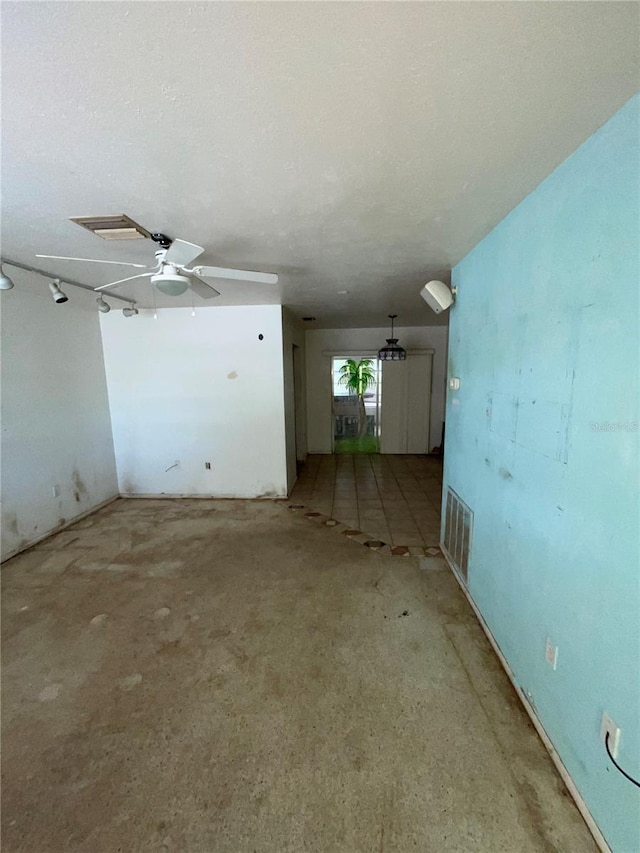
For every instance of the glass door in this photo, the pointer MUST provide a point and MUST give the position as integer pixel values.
(356, 390)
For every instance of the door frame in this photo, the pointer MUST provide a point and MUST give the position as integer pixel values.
(373, 353)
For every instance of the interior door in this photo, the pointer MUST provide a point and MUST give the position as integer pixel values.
(405, 405)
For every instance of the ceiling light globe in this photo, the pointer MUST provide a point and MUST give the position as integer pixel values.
(171, 284)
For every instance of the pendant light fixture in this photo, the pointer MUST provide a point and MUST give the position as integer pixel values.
(392, 352)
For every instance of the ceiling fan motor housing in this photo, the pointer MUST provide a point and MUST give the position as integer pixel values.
(161, 239)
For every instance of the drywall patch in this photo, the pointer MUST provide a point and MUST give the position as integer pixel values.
(503, 414)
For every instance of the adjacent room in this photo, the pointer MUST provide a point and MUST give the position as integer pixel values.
(320, 427)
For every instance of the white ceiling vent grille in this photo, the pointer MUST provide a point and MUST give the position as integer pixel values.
(119, 227)
(458, 530)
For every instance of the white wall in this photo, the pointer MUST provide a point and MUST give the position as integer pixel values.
(295, 414)
(197, 389)
(319, 393)
(55, 418)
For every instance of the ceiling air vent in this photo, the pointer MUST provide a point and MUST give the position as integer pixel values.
(118, 227)
(458, 529)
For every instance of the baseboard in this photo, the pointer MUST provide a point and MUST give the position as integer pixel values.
(52, 532)
(169, 496)
(544, 737)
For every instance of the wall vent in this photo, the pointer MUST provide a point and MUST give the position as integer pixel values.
(458, 530)
(119, 227)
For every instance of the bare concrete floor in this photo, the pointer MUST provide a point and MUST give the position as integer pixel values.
(213, 676)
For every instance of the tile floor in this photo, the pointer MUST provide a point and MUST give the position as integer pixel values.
(395, 499)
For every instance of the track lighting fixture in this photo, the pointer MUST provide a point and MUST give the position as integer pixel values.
(5, 281)
(58, 296)
(102, 305)
(130, 312)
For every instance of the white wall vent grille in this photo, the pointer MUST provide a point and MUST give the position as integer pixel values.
(458, 530)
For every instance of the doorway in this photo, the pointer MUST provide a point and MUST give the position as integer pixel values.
(356, 387)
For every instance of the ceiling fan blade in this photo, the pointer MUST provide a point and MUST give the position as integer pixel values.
(202, 289)
(122, 280)
(94, 261)
(182, 253)
(241, 275)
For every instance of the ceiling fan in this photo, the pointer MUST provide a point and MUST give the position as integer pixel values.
(171, 273)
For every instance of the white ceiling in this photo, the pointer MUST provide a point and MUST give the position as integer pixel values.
(347, 146)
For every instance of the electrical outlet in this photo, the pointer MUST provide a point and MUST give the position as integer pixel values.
(55, 490)
(608, 726)
(551, 654)
(207, 465)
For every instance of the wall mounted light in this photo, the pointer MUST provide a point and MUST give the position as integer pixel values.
(102, 305)
(58, 296)
(5, 281)
(392, 352)
(130, 312)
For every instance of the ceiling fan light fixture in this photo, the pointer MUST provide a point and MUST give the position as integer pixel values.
(171, 283)
(392, 351)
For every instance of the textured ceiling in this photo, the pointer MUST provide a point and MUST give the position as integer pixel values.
(347, 146)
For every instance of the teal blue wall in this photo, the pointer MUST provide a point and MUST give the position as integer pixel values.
(542, 443)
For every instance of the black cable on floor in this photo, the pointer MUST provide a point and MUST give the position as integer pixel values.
(630, 778)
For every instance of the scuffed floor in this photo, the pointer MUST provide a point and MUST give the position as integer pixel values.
(223, 676)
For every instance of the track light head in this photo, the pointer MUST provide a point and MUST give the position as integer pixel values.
(130, 312)
(102, 305)
(58, 296)
(5, 281)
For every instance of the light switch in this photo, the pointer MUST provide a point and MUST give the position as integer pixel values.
(454, 383)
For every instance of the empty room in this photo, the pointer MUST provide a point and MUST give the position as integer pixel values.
(320, 459)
